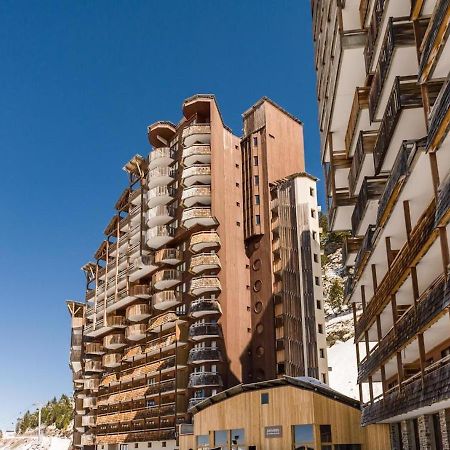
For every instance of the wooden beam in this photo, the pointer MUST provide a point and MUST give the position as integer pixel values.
(394, 311)
(415, 284)
(407, 215)
(379, 329)
(374, 277)
(399, 369)
(421, 354)
(444, 249)
(363, 297)
(434, 174)
(389, 254)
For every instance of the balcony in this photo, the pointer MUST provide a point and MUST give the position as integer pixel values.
(199, 331)
(88, 421)
(114, 341)
(160, 195)
(90, 402)
(203, 262)
(93, 366)
(405, 95)
(160, 215)
(136, 332)
(142, 266)
(171, 256)
(435, 48)
(162, 322)
(197, 216)
(399, 33)
(92, 384)
(204, 307)
(204, 240)
(93, 348)
(195, 401)
(204, 355)
(196, 133)
(79, 408)
(138, 312)
(78, 423)
(160, 134)
(360, 103)
(166, 299)
(443, 205)
(196, 154)
(365, 250)
(196, 174)
(167, 278)
(440, 119)
(86, 440)
(196, 195)
(140, 291)
(112, 360)
(431, 305)
(201, 285)
(204, 379)
(160, 157)
(135, 198)
(366, 207)
(350, 250)
(362, 162)
(340, 207)
(160, 176)
(416, 392)
(159, 236)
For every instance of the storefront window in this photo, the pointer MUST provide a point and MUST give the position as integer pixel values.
(237, 438)
(203, 441)
(221, 438)
(303, 437)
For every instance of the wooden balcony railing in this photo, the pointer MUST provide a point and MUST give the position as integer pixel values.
(397, 177)
(420, 240)
(118, 438)
(432, 304)
(340, 198)
(405, 93)
(433, 38)
(371, 189)
(373, 31)
(443, 205)
(415, 393)
(364, 147)
(365, 250)
(360, 101)
(351, 245)
(440, 118)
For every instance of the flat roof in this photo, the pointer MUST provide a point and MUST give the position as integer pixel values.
(305, 383)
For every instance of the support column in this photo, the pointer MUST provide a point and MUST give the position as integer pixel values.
(425, 429)
(444, 249)
(407, 441)
(415, 284)
(358, 356)
(421, 354)
(407, 216)
(444, 421)
(374, 277)
(434, 174)
(396, 437)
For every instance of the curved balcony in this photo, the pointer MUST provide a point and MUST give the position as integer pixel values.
(93, 348)
(160, 176)
(204, 240)
(171, 256)
(204, 379)
(196, 133)
(204, 307)
(197, 216)
(89, 403)
(140, 291)
(115, 321)
(92, 384)
(200, 285)
(114, 341)
(138, 312)
(195, 401)
(204, 355)
(197, 154)
(159, 195)
(85, 440)
(204, 261)
(93, 365)
(165, 279)
(160, 215)
(112, 360)
(160, 133)
(204, 330)
(166, 299)
(160, 157)
(142, 266)
(88, 421)
(162, 322)
(159, 236)
(196, 174)
(196, 195)
(136, 332)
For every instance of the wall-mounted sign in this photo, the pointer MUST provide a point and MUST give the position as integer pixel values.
(273, 431)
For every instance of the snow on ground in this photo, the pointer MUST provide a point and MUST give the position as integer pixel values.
(31, 443)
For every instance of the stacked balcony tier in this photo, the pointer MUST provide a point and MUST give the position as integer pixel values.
(166, 299)
(196, 175)
(138, 312)
(204, 240)
(166, 279)
(160, 195)
(159, 236)
(201, 285)
(114, 341)
(170, 256)
(196, 154)
(203, 262)
(136, 332)
(160, 215)
(199, 331)
(199, 380)
(203, 355)
(160, 157)
(160, 176)
(204, 307)
(197, 216)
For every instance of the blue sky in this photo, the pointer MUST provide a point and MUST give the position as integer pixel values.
(79, 83)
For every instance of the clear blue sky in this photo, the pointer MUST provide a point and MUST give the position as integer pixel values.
(79, 83)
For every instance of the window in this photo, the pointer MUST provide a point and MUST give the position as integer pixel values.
(256, 180)
(163, 444)
(238, 224)
(313, 213)
(238, 204)
(325, 434)
(255, 160)
(316, 257)
(257, 199)
(255, 141)
(348, 447)
(320, 328)
(324, 378)
(123, 447)
(257, 219)
(221, 438)
(303, 437)
(237, 166)
(318, 304)
(136, 445)
(149, 444)
(311, 192)
(322, 355)
(317, 281)
(238, 436)
(237, 184)
(265, 398)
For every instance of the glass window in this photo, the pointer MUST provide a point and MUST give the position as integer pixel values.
(255, 160)
(325, 432)
(237, 436)
(221, 438)
(255, 141)
(256, 180)
(203, 440)
(303, 437)
(257, 219)
(257, 199)
(265, 398)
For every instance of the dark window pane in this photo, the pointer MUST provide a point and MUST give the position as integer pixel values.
(325, 431)
(303, 433)
(265, 398)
